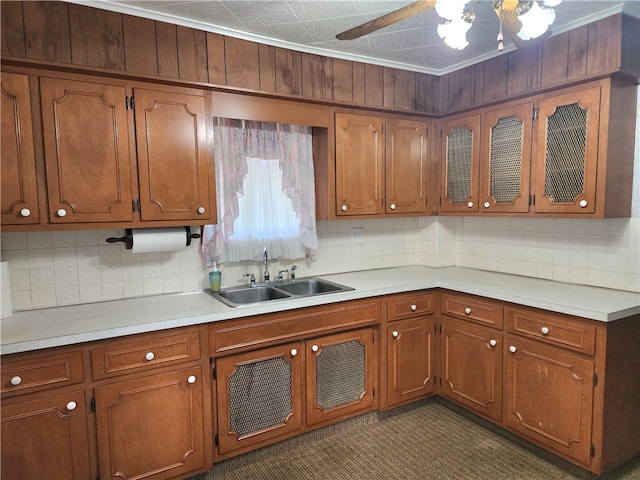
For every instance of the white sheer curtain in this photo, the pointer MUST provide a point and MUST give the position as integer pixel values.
(266, 192)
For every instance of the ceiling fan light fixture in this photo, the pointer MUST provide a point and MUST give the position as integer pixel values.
(535, 19)
(454, 32)
(450, 9)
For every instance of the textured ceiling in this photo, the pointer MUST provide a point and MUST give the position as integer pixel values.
(311, 26)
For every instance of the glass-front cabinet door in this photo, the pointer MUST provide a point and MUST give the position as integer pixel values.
(506, 153)
(461, 152)
(567, 153)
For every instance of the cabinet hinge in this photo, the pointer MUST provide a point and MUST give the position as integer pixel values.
(440, 328)
(215, 374)
(129, 103)
(535, 113)
(440, 201)
(135, 205)
(374, 392)
(532, 199)
(92, 404)
(216, 440)
(595, 379)
(592, 450)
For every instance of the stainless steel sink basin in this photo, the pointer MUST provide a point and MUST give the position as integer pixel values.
(304, 287)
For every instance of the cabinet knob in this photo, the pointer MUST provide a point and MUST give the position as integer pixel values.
(414, 308)
(487, 204)
(314, 348)
(294, 352)
(25, 212)
(150, 356)
(201, 210)
(544, 330)
(512, 349)
(191, 379)
(583, 203)
(467, 310)
(492, 342)
(16, 380)
(71, 405)
(395, 334)
(470, 204)
(62, 212)
(392, 206)
(343, 208)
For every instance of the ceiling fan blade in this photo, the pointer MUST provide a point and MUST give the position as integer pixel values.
(510, 21)
(386, 20)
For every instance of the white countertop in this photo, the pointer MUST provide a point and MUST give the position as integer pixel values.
(52, 327)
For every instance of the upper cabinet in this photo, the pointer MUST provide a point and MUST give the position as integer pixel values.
(381, 165)
(19, 190)
(545, 156)
(91, 154)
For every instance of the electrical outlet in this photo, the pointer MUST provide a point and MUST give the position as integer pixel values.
(357, 235)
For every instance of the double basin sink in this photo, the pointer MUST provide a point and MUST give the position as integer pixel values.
(266, 292)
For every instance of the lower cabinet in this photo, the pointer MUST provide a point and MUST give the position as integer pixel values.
(472, 366)
(45, 438)
(151, 427)
(260, 393)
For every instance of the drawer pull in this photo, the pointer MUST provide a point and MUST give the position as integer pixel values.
(414, 308)
(150, 356)
(470, 204)
(492, 342)
(392, 206)
(25, 212)
(487, 204)
(544, 330)
(201, 210)
(62, 212)
(395, 334)
(583, 203)
(467, 310)
(15, 381)
(343, 208)
(191, 379)
(294, 352)
(512, 349)
(314, 348)
(71, 406)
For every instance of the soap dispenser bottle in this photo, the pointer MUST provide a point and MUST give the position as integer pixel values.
(215, 278)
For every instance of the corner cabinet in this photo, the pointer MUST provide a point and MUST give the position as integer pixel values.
(549, 155)
(381, 165)
(19, 188)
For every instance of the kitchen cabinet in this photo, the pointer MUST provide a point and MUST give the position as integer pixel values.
(44, 424)
(102, 170)
(381, 165)
(471, 349)
(151, 405)
(545, 156)
(19, 188)
(410, 351)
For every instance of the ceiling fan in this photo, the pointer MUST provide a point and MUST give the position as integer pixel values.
(522, 20)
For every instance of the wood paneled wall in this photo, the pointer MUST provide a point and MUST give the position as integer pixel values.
(89, 37)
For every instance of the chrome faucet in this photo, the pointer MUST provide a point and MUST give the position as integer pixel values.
(292, 275)
(252, 279)
(265, 262)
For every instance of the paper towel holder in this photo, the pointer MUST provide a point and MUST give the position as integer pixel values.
(128, 238)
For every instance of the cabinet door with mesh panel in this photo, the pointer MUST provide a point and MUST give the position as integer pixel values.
(340, 375)
(461, 157)
(259, 396)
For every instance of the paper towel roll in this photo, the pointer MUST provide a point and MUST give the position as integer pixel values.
(6, 308)
(146, 240)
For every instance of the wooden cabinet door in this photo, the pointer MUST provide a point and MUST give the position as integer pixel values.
(340, 375)
(45, 438)
(359, 164)
(461, 164)
(549, 397)
(86, 151)
(506, 159)
(259, 396)
(173, 166)
(151, 427)
(410, 359)
(567, 153)
(472, 366)
(406, 166)
(19, 190)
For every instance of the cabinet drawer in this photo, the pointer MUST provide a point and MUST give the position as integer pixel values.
(148, 352)
(552, 328)
(35, 374)
(410, 305)
(474, 309)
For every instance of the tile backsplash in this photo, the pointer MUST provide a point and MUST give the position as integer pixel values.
(73, 267)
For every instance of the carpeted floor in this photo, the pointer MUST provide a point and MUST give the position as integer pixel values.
(429, 441)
